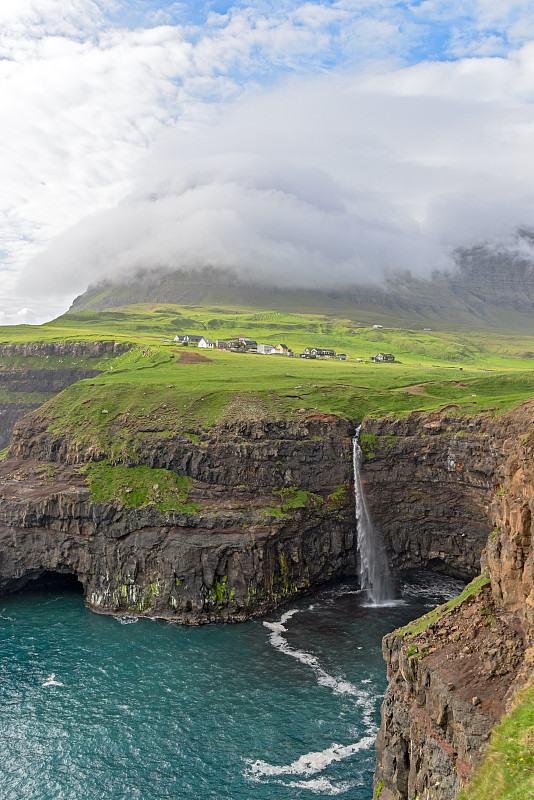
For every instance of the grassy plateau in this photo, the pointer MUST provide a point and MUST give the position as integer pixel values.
(172, 387)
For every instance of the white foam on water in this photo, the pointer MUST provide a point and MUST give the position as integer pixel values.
(311, 763)
(321, 786)
(362, 698)
(276, 638)
(51, 681)
(385, 604)
(124, 620)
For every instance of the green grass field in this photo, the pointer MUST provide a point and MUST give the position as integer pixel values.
(155, 382)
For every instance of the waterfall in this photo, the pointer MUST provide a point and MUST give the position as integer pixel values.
(375, 578)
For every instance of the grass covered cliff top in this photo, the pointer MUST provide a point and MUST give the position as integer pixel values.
(174, 387)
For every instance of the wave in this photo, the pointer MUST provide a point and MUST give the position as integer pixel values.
(51, 681)
(311, 763)
(321, 786)
(361, 697)
(124, 620)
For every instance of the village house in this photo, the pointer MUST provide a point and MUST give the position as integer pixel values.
(245, 342)
(223, 344)
(341, 356)
(378, 326)
(389, 357)
(283, 349)
(205, 342)
(266, 349)
(321, 352)
(186, 338)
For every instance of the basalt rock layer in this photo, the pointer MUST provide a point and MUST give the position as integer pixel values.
(452, 678)
(239, 548)
(428, 480)
(24, 386)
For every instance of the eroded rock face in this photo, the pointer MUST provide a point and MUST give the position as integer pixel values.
(510, 548)
(448, 688)
(451, 683)
(313, 454)
(27, 387)
(428, 480)
(77, 349)
(237, 556)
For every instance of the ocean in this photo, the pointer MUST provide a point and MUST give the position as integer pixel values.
(280, 708)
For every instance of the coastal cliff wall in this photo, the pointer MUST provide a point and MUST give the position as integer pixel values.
(269, 514)
(28, 378)
(428, 480)
(453, 674)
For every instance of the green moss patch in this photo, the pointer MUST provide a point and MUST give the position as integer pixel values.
(421, 624)
(139, 486)
(292, 497)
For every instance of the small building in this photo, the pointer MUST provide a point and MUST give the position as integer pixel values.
(283, 349)
(266, 349)
(223, 344)
(187, 338)
(307, 355)
(381, 357)
(205, 342)
(378, 326)
(321, 352)
(246, 342)
(341, 356)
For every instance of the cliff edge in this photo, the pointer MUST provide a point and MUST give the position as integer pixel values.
(454, 673)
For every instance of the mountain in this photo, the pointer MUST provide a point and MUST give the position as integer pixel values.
(491, 286)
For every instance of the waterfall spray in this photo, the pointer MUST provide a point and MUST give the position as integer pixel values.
(374, 571)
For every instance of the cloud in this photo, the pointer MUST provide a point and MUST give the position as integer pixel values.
(290, 138)
(325, 181)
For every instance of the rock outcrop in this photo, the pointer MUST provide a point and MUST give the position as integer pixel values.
(26, 386)
(452, 676)
(239, 549)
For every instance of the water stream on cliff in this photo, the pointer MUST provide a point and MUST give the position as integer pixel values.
(284, 708)
(375, 577)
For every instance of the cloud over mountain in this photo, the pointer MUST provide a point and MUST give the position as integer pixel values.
(326, 180)
(299, 139)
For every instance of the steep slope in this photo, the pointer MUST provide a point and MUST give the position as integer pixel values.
(490, 287)
(454, 673)
(218, 525)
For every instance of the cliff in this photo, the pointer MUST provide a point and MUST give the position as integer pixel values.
(453, 674)
(232, 537)
(31, 373)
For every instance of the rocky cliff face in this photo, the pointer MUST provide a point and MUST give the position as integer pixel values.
(428, 480)
(24, 387)
(235, 552)
(453, 674)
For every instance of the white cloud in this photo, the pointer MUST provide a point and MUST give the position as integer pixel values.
(376, 168)
(326, 180)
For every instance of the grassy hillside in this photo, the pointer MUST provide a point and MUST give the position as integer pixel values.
(478, 294)
(160, 387)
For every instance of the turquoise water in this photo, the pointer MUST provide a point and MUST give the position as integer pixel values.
(96, 708)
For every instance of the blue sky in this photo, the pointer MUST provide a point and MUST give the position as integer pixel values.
(342, 138)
